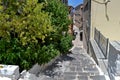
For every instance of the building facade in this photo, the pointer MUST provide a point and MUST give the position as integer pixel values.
(86, 23)
(105, 17)
(79, 16)
(65, 1)
(101, 26)
(70, 27)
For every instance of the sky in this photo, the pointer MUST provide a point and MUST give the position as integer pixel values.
(74, 3)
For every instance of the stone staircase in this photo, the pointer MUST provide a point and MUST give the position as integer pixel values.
(77, 65)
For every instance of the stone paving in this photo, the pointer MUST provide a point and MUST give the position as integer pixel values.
(75, 66)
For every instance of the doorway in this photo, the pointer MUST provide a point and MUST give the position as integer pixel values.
(81, 36)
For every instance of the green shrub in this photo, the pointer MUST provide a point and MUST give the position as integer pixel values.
(25, 56)
(47, 53)
(66, 43)
(24, 20)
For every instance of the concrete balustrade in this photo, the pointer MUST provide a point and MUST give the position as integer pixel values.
(9, 71)
(114, 60)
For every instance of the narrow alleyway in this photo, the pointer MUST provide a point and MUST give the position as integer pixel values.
(77, 65)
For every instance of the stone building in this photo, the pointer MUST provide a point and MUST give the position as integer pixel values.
(78, 19)
(86, 23)
(70, 27)
(79, 16)
(102, 15)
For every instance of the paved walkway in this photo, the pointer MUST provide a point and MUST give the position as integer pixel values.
(77, 65)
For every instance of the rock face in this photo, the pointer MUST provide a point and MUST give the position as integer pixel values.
(114, 60)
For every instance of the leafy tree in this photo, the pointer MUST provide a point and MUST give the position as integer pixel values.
(59, 13)
(24, 20)
(31, 28)
(59, 19)
(23, 28)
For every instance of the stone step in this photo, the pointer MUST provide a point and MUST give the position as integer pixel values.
(98, 77)
(47, 78)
